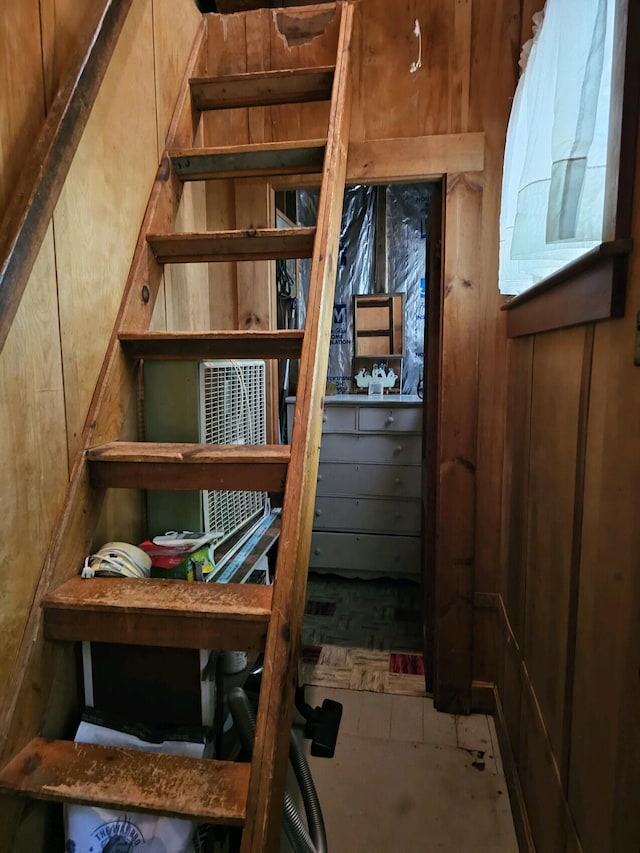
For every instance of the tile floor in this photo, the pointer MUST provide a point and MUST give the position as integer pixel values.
(407, 778)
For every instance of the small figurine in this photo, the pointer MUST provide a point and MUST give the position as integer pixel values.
(379, 373)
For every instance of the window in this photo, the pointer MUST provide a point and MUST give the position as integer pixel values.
(556, 158)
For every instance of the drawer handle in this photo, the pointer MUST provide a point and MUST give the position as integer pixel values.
(390, 419)
(316, 551)
(398, 448)
(318, 513)
(398, 481)
(319, 477)
(324, 419)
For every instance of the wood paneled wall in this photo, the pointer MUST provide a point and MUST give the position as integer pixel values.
(570, 579)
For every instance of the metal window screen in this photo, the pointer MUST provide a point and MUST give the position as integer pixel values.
(233, 412)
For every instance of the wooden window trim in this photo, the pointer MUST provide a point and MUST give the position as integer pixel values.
(594, 286)
(591, 288)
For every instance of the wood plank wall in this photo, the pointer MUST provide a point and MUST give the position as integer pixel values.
(184, 305)
(51, 359)
(570, 579)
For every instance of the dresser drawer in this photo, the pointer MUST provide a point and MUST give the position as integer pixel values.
(390, 419)
(381, 449)
(365, 555)
(374, 515)
(339, 419)
(349, 478)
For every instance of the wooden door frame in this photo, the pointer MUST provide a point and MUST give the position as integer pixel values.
(449, 437)
(450, 475)
(430, 424)
(449, 463)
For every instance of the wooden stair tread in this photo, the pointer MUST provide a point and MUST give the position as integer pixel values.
(189, 454)
(252, 245)
(262, 88)
(272, 158)
(159, 465)
(153, 612)
(129, 779)
(253, 343)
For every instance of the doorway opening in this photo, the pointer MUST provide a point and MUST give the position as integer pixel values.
(369, 615)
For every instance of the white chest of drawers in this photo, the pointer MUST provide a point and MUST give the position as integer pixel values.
(368, 511)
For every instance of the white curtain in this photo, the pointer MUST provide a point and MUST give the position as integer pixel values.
(556, 151)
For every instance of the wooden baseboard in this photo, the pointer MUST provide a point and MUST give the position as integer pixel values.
(529, 697)
(483, 697)
(516, 797)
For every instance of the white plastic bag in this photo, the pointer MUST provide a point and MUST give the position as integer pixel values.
(96, 830)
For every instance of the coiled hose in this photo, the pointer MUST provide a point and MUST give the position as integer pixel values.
(313, 840)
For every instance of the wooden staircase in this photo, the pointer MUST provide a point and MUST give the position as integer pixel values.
(182, 614)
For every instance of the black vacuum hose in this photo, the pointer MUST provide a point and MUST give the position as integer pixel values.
(313, 840)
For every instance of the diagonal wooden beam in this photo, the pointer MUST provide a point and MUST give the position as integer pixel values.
(47, 163)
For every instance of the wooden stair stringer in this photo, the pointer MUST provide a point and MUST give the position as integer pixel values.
(37, 660)
(275, 710)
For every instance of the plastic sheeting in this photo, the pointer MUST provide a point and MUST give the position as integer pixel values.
(407, 210)
(407, 216)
